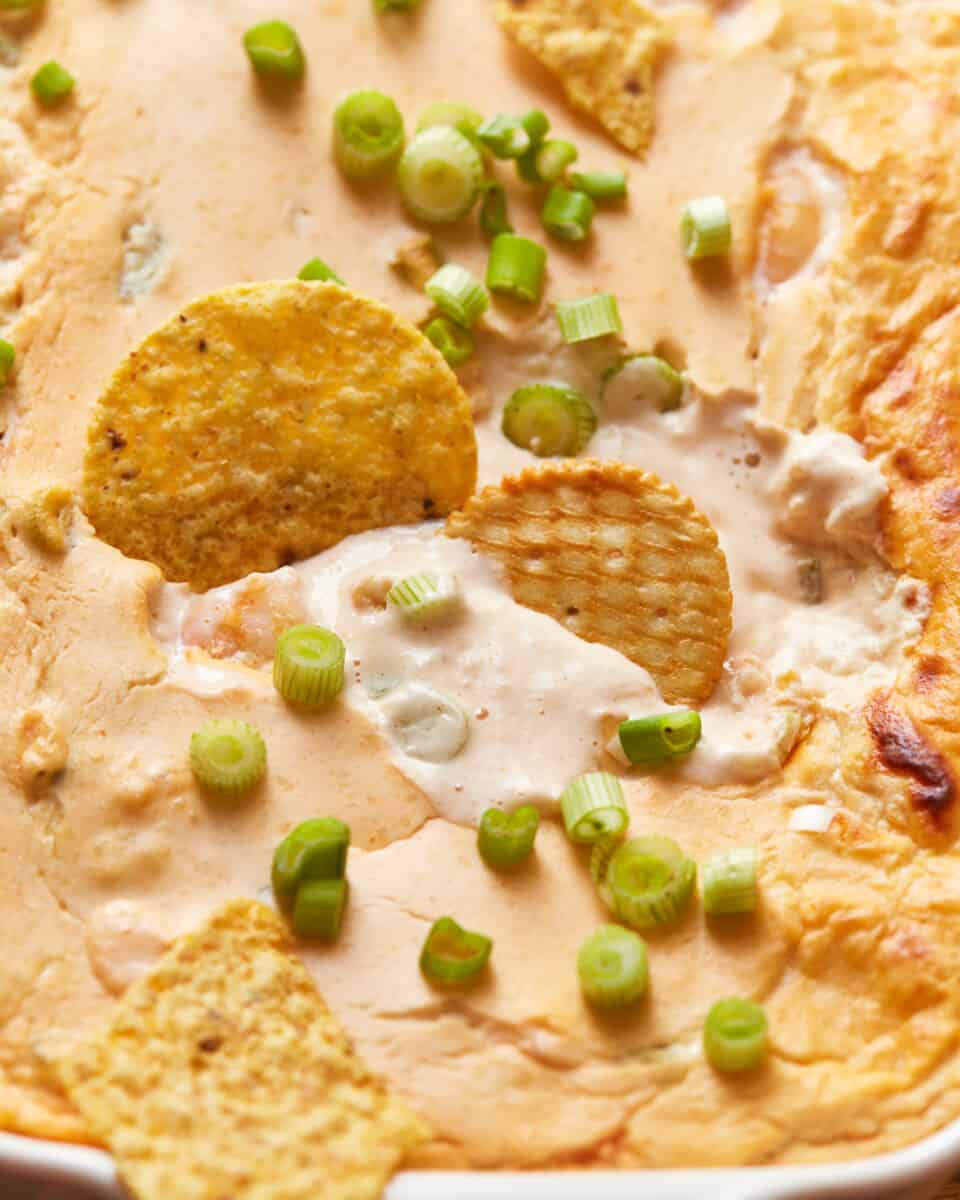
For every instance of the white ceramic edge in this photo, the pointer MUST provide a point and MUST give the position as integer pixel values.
(925, 1166)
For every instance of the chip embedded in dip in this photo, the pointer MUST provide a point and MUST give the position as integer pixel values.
(618, 557)
(529, 620)
(603, 53)
(266, 422)
(168, 1084)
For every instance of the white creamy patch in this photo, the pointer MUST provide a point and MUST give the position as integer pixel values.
(144, 259)
(496, 704)
(541, 705)
(536, 697)
(826, 493)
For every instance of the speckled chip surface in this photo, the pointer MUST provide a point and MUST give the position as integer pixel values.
(603, 52)
(265, 423)
(223, 1074)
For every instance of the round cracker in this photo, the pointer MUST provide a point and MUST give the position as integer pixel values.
(266, 422)
(617, 556)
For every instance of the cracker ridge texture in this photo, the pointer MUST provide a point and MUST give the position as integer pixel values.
(266, 422)
(618, 557)
(603, 52)
(223, 1076)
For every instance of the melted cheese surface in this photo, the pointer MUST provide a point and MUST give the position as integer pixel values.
(825, 349)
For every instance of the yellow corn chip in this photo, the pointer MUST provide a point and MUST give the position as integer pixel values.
(617, 557)
(265, 423)
(603, 52)
(224, 1075)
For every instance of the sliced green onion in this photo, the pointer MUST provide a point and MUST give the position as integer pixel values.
(644, 379)
(367, 134)
(527, 167)
(505, 137)
(308, 665)
(553, 158)
(648, 882)
(729, 882)
(516, 267)
(455, 343)
(318, 908)
(600, 185)
(8, 356)
(227, 756)
(52, 84)
(317, 271)
(735, 1035)
(458, 294)
(316, 849)
(537, 124)
(506, 839)
(705, 227)
(462, 117)
(660, 738)
(452, 954)
(494, 218)
(613, 967)
(549, 420)
(600, 856)
(568, 215)
(593, 317)
(593, 807)
(425, 597)
(395, 5)
(274, 49)
(440, 175)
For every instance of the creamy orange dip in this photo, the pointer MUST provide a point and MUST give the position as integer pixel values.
(819, 421)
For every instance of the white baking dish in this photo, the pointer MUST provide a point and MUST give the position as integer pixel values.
(37, 1170)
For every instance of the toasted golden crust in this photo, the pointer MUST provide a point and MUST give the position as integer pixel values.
(265, 423)
(223, 1073)
(875, 333)
(914, 418)
(604, 53)
(617, 556)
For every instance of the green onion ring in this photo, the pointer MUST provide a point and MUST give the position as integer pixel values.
(506, 839)
(452, 954)
(735, 1035)
(613, 967)
(316, 849)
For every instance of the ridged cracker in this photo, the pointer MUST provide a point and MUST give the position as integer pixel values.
(223, 1074)
(617, 556)
(265, 423)
(603, 52)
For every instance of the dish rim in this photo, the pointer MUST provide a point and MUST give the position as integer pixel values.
(931, 1161)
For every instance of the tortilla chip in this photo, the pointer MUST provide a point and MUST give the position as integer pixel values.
(617, 557)
(223, 1074)
(265, 423)
(604, 53)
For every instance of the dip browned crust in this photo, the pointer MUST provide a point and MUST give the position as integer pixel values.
(902, 748)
